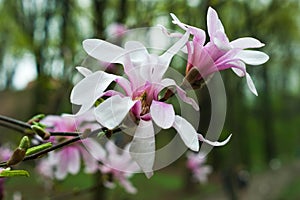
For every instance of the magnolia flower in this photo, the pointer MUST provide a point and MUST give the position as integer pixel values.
(195, 163)
(220, 54)
(115, 30)
(118, 166)
(5, 153)
(140, 96)
(68, 159)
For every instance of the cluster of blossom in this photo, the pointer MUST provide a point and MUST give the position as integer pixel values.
(196, 165)
(58, 164)
(138, 100)
(220, 54)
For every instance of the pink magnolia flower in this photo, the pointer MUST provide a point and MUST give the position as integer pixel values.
(116, 30)
(195, 163)
(68, 159)
(119, 166)
(5, 153)
(140, 97)
(220, 54)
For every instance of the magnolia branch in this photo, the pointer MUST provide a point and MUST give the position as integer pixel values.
(24, 127)
(13, 122)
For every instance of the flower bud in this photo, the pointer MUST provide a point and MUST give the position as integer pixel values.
(19, 154)
(36, 118)
(24, 143)
(41, 132)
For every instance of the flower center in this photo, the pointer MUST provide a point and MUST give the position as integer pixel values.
(145, 105)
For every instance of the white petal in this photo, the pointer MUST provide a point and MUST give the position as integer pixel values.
(162, 114)
(62, 165)
(201, 138)
(213, 22)
(253, 57)
(111, 147)
(166, 32)
(142, 148)
(94, 148)
(246, 42)
(168, 55)
(89, 89)
(251, 85)
(187, 133)
(222, 42)
(84, 71)
(238, 71)
(104, 51)
(74, 161)
(113, 110)
(89, 162)
(139, 61)
(178, 22)
(125, 84)
(137, 52)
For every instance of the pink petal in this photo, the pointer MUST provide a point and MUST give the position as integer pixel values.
(187, 133)
(251, 85)
(199, 34)
(246, 42)
(128, 186)
(142, 148)
(104, 51)
(181, 93)
(113, 110)
(253, 57)
(162, 114)
(202, 139)
(89, 89)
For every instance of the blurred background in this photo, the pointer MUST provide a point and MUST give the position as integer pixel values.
(41, 45)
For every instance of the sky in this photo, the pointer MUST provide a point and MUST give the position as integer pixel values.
(25, 72)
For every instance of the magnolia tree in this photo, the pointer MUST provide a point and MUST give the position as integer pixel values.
(116, 116)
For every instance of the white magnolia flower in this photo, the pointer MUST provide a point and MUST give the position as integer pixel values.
(140, 96)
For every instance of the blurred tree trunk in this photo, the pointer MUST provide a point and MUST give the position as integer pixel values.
(268, 117)
(99, 8)
(122, 11)
(100, 191)
(265, 97)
